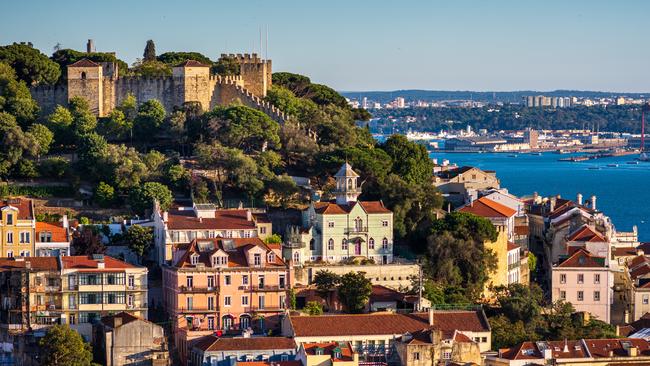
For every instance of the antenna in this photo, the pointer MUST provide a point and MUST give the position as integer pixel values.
(266, 56)
(261, 52)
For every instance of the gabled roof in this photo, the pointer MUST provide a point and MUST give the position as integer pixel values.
(59, 233)
(345, 348)
(453, 173)
(84, 62)
(223, 220)
(36, 263)
(583, 259)
(587, 234)
(619, 347)
(125, 318)
(485, 207)
(86, 262)
(512, 246)
(346, 171)
(535, 350)
(212, 343)
(333, 208)
(236, 249)
(191, 63)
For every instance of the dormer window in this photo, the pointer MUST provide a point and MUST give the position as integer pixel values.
(271, 257)
(194, 259)
(10, 219)
(257, 259)
(319, 351)
(219, 260)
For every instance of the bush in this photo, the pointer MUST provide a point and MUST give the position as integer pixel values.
(104, 194)
(142, 197)
(313, 308)
(54, 168)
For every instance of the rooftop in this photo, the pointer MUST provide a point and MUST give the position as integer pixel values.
(582, 259)
(212, 343)
(23, 205)
(485, 207)
(333, 208)
(234, 248)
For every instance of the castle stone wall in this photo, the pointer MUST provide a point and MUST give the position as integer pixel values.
(49, 96)
(164, 89)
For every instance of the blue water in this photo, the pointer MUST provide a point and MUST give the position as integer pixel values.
(623, 193)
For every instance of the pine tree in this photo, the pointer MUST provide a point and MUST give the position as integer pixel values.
(149, 51)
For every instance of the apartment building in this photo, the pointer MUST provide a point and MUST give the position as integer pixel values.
(181, 225)
(17, 224)
(222, 351)
(343, 229)
(226, 285)
(37, 292)
(586, 281)
(53, 239)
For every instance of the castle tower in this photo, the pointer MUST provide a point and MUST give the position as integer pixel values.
(192, 83)
(86, 79)
(255, 72)
(347, 189)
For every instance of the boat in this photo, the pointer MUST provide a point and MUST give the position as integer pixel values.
(594, 168)
(612, 165)
(512, 155)
(537, 153)
(633, 162)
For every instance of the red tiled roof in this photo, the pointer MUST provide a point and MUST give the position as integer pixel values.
(512, 246)
(236, 256)
(24, 206)
(624, 252)
(531, 351)
(59, 233)
(382, 293)
(347, 354)
(37, 263)
(602, 347)
(223, 220)
(585, 233)
(84, 62)
(485, 207)
(332, 208)
(584, 259)
(192, 63)
(460, 337)
(213, 343)
(85, 262)
(382, 323)
(452, 173)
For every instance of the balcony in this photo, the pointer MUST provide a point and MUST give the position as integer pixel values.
(356, 230)
(267, 309)
(196, 310)
(293, 244)
(195, 289)
(512, 266)
(268, 288)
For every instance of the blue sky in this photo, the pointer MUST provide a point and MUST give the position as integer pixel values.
(372, 45)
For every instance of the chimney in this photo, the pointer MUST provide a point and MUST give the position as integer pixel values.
(200, 219)
(65, 222)
(101, 264)
(90, 46)
(431, 317)
(593, 202)
(165, 216)
(579, 198)
(566, 346)
(633, 351)
(552, 204)
(548, 353)
(249, 215)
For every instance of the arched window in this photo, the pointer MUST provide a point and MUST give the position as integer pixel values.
(384, 243)
(358, 224)
(83, 75)
(312, 244)
(330, 244)
(349, 183)
(344, 244)
(271, 257)
(244, 322)
(371, 243)
(226, 322)
(296, 257)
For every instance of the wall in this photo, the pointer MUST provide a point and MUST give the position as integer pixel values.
(134, 342)
(395, 276)
(600, 309)
(49, 96)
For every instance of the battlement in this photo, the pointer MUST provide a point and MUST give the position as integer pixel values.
(246, 58)
(228, 79)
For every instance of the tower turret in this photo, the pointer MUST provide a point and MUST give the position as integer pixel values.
(347, 188)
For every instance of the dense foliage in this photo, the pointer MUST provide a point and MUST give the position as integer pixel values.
(625, 118)
(62, 345)
(65, 57)
(30, 64)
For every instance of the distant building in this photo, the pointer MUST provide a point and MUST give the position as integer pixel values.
(327, 354)
(461, 185)
(531, 136)
(125, 340)
(434, 347)
(53, 239)
(18, 222)
(223, 351)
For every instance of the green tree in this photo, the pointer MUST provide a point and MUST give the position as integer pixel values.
(313, 308)
(175, 58)
(15, 97)
(30, 64)
(519, 302)
(14, 143)
(84, 120)
(150, 117)
(62, 346)
(43, 137)
(60, 122)
(115, 126)
(65, 57)
(104, 194)
(532, 262)
(139, 239)
(326, 282)
(410, 160)
(141, 197)
(273, 239)
(354, 291)
(150, 69)
(149, 51)
(506, 333)
(243, 128)
(226, 66)
(284, 189)
(55, 167)
(177, 177)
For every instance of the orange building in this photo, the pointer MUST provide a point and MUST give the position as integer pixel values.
(230, 285)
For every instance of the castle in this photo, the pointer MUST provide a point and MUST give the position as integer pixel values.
(191, 81)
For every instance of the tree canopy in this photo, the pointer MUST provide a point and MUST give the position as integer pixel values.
(354, 291)
(30, 64)
(175, 58)
(62, 346)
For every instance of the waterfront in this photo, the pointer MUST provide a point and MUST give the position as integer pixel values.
(622, 192)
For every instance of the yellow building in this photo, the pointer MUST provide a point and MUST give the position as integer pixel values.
(327, 354)
(17, 225)
(75, 290)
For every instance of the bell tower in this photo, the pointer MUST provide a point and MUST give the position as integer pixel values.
(347, 189)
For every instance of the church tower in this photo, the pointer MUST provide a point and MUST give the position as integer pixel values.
(347, 189)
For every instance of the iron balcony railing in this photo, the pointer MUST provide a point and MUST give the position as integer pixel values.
(187, 289)
(356, 230)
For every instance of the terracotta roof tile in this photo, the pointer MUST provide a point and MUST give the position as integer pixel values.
(37, 263)
(212, 343)
(485, 207)
(332, 208)
(24, 206)
(192, 63)
(125, 318)
(59, 233)
(583, 259)
(223, 220)
(347, 353)
(512, 246)
(236, 255)
(602, 347)
(86, 262)
(587, 234)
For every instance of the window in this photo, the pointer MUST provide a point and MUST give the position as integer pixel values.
(645, 299)
(244, 280)
(72, 301)
(194, 259)
(210, 322)
(296, 257)
(261, 301)
(330, 224)
(244, 300)
(384, 223)
(114, 297)
(281, 281)
(581, 295)
(90, 298)
(227, 280)
(24, 253)
(581, 278)
(10, 238)
(262, 229)
(371, 243)
(10, 219)
(483, 339)
(247, 234)
(446, 355)
(211, 303)
(562, 278)
(312, 244)
(384, 243)
(10, 253)
(219, 261)
(89, 279)
(227, 301)
(115, 278)
(190, 303)
(330, 244)
(24, 237)
(416, 356)
(597, 278)
(130, 301)
(344, 244)
(283, 301)
(131, 281)
(562, 295)
(190, 281)
(271, 258)
(45, 237)
(257, 259)
(83, 75)
(260, 281)
(211, 281)
(596, 295)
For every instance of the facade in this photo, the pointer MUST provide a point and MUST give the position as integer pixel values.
(597, 352)
(461, 185)
(342, 230)
(374, 335)
(393, 275)
(180, 225)
(17, 224)
(216, 351)
(327, 354)
(53, 239)
(514, 264)
(432, 347)
(232, 285)
(638, 269)
(126, 340)
(191, 81)
(74, 290)
(585, 281)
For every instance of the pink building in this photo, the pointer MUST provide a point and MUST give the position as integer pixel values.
(585, 281)
(225, 284)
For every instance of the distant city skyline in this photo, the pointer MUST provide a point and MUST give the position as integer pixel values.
(499, 45)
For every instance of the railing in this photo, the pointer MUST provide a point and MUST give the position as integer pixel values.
(512, 266)
(470, 307)
(266, 308)
(268, 288)
(356, 230)
(197, 309)
(293, 244)
(197, 289)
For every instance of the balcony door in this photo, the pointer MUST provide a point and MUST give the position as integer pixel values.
(357, 247)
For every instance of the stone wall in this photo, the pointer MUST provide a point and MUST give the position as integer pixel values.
(395, 276)
(49, 96)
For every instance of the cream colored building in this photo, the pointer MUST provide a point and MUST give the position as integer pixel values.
(433, 347)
